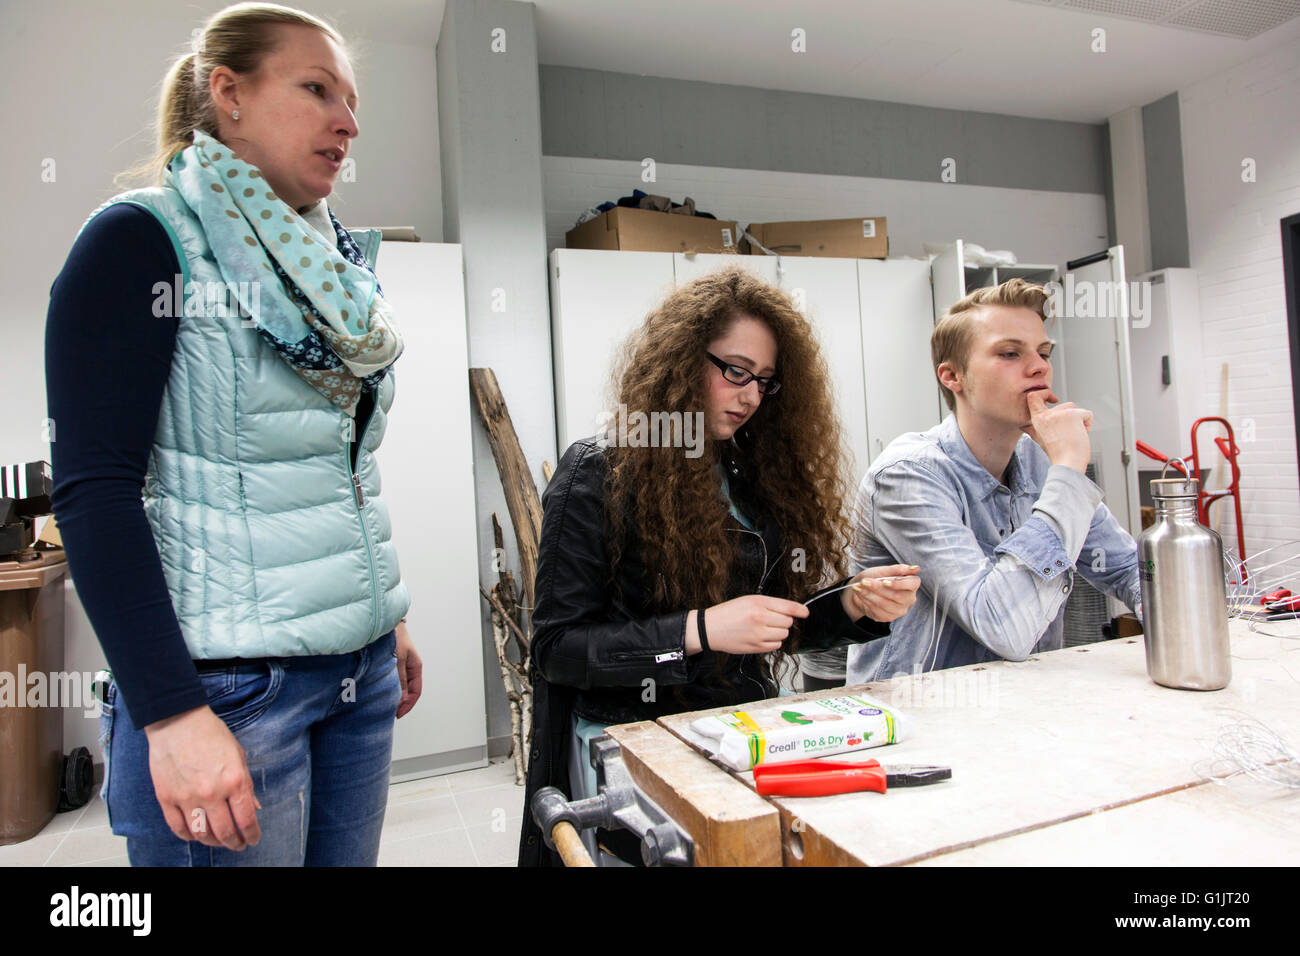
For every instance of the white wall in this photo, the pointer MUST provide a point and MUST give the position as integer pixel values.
(1039, 226)
(1236, 250)
(78, 85)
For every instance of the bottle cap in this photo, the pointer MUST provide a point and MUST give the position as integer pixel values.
(1175, 488)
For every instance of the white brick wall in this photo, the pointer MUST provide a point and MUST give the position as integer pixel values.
(1038, 226)
(1236, 250)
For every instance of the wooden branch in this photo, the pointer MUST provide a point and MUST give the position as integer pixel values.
(510, 603)
(503, 573)
(499, 640)
(496, 606)
(521, 492)
(526, 711)
(547, 471)
(508, 594)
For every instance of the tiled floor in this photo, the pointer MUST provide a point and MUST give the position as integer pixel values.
(470, 818)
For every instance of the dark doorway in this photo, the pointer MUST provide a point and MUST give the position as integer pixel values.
(1291, 275)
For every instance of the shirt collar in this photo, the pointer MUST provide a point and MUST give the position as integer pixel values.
(974, 475)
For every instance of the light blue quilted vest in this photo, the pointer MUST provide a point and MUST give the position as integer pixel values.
(270, 545)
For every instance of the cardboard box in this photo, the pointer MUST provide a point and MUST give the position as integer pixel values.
(645, 230)
(838, 238)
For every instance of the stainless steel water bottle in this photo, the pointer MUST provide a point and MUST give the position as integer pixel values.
(1184, 595)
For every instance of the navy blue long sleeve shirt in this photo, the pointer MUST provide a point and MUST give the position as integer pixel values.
(107, 359)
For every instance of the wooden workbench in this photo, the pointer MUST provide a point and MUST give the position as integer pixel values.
(1070, 757)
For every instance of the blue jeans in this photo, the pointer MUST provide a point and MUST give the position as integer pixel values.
(318, 738)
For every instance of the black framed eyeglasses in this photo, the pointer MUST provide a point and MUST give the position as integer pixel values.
(739, 375)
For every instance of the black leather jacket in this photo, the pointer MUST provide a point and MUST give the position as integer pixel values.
(613, 660)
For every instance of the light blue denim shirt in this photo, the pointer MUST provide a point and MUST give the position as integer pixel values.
(995, 559)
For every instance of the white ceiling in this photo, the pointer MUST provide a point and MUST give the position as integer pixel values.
(997, 56)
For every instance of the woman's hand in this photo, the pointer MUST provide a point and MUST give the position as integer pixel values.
(882, 594)
(409, 669)
(753, 624)
(201, 780)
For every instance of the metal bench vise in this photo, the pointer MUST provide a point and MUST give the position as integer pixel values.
(619, 804)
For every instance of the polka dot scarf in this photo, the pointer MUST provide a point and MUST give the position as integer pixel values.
(320, 308)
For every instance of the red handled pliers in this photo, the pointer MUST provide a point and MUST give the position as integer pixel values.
(1280, 601)
(820, 778)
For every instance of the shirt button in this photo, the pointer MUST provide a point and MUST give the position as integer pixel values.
(535, 753)
(1047, 570)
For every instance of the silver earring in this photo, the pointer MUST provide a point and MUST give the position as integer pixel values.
(234, 114)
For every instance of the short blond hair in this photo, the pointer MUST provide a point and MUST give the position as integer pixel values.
(951, 339)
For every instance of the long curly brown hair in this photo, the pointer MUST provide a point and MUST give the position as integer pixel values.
(672, 505)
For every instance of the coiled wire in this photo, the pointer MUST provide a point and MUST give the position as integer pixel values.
(1248, 746)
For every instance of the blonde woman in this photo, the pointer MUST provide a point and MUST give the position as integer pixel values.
(221, 342)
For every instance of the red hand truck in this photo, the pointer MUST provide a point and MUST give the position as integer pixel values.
(1228, 447)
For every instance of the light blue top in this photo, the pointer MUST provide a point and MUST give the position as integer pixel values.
(271, 544)
(584, 731)
(735, 512)
(995, 558)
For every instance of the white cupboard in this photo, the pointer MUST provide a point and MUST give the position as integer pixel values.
(598, 298)
(902, 393)
(826, 291)
(1168, 383)
(1097, 361)
(428, 484)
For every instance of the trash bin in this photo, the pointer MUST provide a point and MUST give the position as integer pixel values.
(31, 738)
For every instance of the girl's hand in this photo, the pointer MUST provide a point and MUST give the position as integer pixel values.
(753, 624)
(883, 594)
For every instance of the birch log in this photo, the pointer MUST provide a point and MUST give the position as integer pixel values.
(500, 640)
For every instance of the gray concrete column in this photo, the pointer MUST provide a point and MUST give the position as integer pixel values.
(489, 119)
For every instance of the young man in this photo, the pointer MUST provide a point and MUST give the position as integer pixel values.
(993, 504)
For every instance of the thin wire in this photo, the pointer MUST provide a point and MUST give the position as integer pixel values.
(766, 569)
(1265, 551)
(936, 631)
(1248, 582)
(1249, 746)
(818, 597)
(938, 634)
(934, 617)
(1253, 624)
